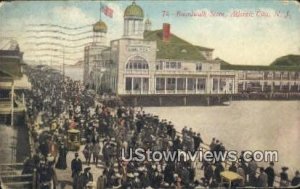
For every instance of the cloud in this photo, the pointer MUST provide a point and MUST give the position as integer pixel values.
(242, 40)
(72, 16)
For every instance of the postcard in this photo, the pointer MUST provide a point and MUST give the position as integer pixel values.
(149, 94)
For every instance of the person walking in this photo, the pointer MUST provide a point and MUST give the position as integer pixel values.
(262, 180)
(62, 159)
(76, 167)
(271, 174)
(86, 177)
(284, 179)
(96, 152)
(296, 179)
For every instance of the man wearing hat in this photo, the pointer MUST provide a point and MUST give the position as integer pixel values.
(129, 182)
(76, 165)
(101, 182)
(86, 176)
(136, 182)
(271, 174)
(284, 179)
(252, 165)
(262, 180)
(296, 179)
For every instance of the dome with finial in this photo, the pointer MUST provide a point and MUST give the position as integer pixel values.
(134, 10)
(147, 21)
(100, 26)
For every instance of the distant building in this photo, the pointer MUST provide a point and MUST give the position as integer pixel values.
(12, 81)
(158, 62)
(92, 52)
(146, 62)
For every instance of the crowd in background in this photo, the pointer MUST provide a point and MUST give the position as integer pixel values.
(57, 104)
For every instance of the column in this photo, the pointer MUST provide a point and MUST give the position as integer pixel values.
(131, 85)
(196, 85)
(165, 85)
(154, 85)
(186, 85)
(12, 103)
(280, 87)
(272, 86)
(233, 86)
(175, 85)
(142, 85)
(218, 91)
(208, 86)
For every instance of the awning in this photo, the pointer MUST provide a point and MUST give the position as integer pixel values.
(21, 83)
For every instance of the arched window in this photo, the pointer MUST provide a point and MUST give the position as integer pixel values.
(137, 63)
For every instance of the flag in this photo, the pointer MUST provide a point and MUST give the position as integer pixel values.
(107, 10)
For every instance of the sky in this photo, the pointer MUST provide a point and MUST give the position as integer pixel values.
(256, 40)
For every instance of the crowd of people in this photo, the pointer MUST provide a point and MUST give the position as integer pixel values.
(57, 104)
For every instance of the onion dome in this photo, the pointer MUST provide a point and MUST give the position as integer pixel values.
(100, 26)
(134, 10)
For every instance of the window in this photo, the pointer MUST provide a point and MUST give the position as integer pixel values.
(167, 65)
(128, 85)
(198, 67)
(178, 65)
(173, 65)
(160, 83)
(159, 65)
(137, 62)
(171, 83)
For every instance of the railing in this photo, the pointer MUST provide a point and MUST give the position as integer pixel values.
(137, 71)
(202, 73)
(11, 177)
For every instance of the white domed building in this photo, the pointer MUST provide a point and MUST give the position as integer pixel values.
(92, 55)
(156, 65)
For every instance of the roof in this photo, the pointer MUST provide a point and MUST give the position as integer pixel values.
(8, 44)
(204, 48)
(21, 83)
(12, 69)
(258, 68)
(100, 26)
(175, 48)
(134, 10)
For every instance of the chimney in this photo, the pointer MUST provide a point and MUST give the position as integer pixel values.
(166, 32)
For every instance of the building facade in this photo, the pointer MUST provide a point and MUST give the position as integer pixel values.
(149, 62)
(92, 53)
(270, 81)
(13, 82)
(146, 62)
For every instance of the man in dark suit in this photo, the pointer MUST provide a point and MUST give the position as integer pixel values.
(262, 179)
(271, 174)
(296, 179)
(76, 165)
(86, 176)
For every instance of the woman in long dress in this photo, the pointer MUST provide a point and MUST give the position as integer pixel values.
(62, 159)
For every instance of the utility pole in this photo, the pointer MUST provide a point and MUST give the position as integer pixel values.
(12, 102)
(64, 64)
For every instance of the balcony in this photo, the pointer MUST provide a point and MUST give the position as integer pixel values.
(137, 71)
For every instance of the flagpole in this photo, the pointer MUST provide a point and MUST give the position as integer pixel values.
(100, 9)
